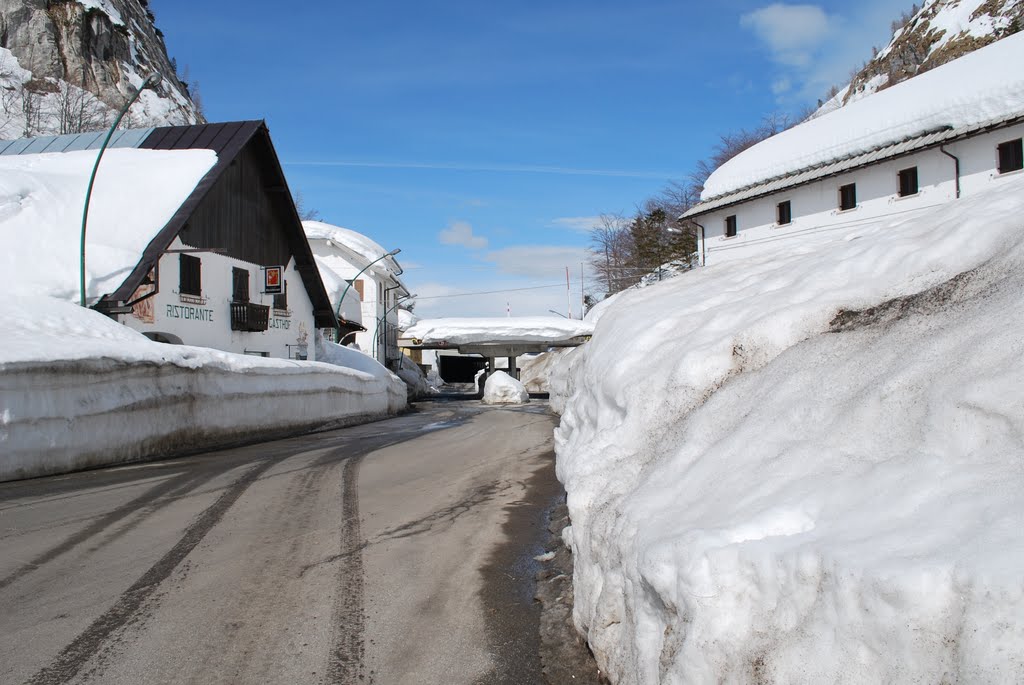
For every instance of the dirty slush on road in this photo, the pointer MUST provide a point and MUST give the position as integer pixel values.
(529, 583)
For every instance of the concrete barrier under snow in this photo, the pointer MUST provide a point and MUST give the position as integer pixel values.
(57, 417)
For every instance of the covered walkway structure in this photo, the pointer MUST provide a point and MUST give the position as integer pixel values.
(495, 338)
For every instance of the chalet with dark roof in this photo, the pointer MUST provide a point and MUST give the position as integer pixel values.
(232, 268)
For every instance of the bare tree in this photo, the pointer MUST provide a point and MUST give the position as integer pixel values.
(305, 213)
(610, 250)
(78, 110)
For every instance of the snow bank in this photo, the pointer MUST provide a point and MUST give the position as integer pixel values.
(974, 89)
(41, 199)
(500, 388)
(416, 381)
(535, 370)
(339, 355)
(78, 390)
(757, 499)
(460, 331)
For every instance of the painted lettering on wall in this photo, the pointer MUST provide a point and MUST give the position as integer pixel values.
(182, 311)
(280, 323)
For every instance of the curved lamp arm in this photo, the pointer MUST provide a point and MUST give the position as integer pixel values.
(152, 81)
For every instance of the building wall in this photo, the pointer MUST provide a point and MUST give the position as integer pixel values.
(376, 299)
(815, 206)
(206, 322)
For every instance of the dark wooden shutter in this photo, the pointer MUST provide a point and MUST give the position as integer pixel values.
(189, 275)
(239, 285)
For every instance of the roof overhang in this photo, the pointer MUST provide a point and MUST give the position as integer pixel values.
(925, 141)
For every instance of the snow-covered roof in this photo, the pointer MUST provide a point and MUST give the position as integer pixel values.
(979, 90)
(357, 243)
(41, 196)
(464, 331)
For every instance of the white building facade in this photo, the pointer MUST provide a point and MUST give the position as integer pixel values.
(370, 277)
(207, 299)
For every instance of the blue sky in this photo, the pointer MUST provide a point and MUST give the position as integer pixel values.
(482, 140)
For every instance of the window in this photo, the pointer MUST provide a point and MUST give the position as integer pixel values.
(239, 285)
(730, 226)
(189, 275)
(848, 196)
(1010, 156)
(908, 181)
(358, 285)
(784, 213)
(281, 299)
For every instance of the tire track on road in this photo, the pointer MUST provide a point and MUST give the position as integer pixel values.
(165, 489)
(74, 656)
(346, 664)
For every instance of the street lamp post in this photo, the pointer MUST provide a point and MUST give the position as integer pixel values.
(383, 319)
(345, 291)
(152, 81)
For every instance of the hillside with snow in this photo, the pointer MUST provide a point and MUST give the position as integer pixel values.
(68, 66)
(939, 32)
(804, 466)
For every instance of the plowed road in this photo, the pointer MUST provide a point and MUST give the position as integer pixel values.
(376, 553)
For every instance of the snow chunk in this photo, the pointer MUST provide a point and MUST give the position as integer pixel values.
(500, 388)
(459, 331)
(974, 89)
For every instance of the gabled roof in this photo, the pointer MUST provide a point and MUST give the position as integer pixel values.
(227, 140)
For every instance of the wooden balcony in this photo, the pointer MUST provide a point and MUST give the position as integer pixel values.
(246, 316)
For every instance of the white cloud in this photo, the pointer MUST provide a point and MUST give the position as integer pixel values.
(546, 262)
(781, 86)
(792, 32)
(580, 224)
(461, 233)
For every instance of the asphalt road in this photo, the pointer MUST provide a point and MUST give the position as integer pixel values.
(394, 552)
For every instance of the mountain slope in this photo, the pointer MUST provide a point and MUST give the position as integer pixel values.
(939, 32)
(68, 65)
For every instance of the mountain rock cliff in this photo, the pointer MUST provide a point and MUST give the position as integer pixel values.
(938, 32)
(69, 65)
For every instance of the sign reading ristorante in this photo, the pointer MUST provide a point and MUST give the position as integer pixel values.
(184, 311)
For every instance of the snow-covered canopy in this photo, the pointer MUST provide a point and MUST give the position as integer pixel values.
(41, 199)
(980, 87)
(463, 331)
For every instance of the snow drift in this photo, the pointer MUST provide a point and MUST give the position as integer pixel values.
(807, 468)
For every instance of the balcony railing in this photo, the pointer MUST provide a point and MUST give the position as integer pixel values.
(246, 316)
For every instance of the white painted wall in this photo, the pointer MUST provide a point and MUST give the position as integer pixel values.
(208, 323)
(815, 205)
(378, 297)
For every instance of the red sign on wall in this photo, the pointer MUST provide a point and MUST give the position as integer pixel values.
(273, 280)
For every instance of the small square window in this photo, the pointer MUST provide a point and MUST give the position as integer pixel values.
(239, 285)
(908, 181)
(784, 213)
(1011, 156)
(190, 275)
(848, 196)
(730, 226)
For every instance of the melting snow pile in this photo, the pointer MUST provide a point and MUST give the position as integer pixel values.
(775, 477)
(460, 331)
(500, 388)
